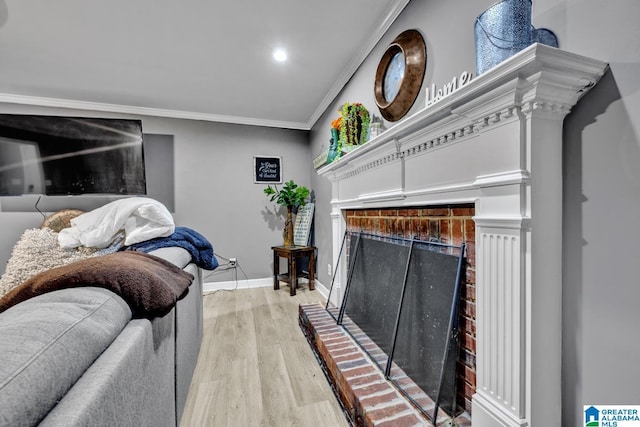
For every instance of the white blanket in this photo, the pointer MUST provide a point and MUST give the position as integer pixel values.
(141, 219)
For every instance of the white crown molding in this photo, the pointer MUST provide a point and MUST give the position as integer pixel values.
(395, 8)
(144, 111)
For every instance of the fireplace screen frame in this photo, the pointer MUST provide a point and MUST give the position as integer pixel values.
(436, 378)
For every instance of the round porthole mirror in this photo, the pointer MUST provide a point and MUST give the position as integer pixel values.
(400, 74)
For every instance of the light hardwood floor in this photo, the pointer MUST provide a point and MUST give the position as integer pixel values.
(255, 366)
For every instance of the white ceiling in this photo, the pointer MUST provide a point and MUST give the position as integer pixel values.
(207, 60)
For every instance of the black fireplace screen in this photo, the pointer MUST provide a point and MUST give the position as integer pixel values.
(401, 305)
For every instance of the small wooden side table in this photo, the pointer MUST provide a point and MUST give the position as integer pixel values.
(292, 253)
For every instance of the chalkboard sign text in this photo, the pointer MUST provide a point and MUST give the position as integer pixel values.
(267, 169)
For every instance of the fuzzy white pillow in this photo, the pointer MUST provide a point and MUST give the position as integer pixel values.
(38, 250)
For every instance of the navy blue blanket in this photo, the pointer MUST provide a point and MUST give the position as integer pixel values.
(198, 246)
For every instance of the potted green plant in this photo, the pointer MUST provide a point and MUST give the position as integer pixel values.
(292, 197)
(355, 124)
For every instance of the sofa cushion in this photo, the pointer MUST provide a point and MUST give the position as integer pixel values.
(48, 342)
(175, 255)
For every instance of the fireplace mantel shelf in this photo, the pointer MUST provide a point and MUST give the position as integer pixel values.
(495, 142)
(571, 74)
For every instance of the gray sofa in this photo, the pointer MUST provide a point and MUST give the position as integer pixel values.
(76, 357)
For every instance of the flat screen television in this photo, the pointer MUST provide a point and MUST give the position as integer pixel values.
(54, 155)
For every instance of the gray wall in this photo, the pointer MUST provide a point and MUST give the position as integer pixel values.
(214, 189)
(601, 182)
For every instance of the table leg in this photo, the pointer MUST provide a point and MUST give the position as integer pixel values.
(276, 270)
(312, 270)
(293, 271)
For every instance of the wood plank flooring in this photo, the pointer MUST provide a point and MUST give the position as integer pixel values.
(255, 366)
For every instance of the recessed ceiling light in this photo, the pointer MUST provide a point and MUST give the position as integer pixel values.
(280, 55)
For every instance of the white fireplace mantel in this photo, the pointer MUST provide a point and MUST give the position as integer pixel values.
(495, 142)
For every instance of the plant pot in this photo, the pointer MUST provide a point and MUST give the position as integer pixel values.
(333, 148)
(287, 233)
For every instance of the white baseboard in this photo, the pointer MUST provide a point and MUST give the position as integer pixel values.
(239, 284)
(209, 287)
(324, 291)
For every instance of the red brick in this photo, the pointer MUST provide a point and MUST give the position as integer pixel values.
(404, 228)
(413, 212)
(434, 229)
(342, 351)
(435, 212)
(471, 275)
(355, 382)
(382, 413)
(445, 230)
(365, 370)
(325, 325)
(457, 232)
(468, 357)
(372, 212)
(393, 226)
(338, 340)
(467, 389)
(349, 357)
(415, 228)
(463, 211)
(471, 253)
(467, 325)
(331, 335)
(372, 225)
(470, 376)
(363, 394)
(409, 420)
(469, 342)
(337, 345)
(470, 308)
(470, 230)
(469, 292)
(388, 212)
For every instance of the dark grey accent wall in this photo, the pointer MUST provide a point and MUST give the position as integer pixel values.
(158, 162)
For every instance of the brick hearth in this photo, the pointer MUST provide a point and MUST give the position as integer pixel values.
(367, 397)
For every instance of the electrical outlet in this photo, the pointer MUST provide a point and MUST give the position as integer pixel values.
(233, 261)
(329, 269)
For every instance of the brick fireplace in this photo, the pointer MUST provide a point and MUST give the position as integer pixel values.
(445, 224)
(490, 154)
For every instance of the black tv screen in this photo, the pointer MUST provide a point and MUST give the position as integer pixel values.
(55, 155)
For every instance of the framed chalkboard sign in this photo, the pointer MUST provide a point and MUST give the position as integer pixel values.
(302, 226)
(267, 170)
